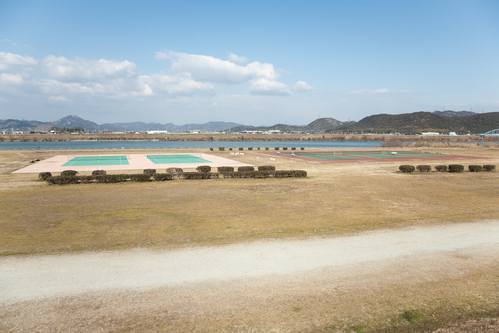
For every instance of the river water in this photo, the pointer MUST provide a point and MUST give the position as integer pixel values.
(181, 144)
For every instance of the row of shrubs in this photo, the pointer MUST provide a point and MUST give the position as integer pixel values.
(445, 168)
(258, 148)
(204, 172)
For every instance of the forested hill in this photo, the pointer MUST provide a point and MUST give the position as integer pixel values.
(426, 121)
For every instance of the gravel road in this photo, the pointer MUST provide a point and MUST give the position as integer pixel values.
(25, 278)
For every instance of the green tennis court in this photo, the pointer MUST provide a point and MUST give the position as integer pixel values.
(419, 155)
(374, 154)
(97, 160)
(176, 159)
(319, 156)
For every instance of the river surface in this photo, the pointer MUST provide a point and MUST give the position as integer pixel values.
(181, 144)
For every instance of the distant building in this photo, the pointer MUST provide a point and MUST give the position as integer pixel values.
(157, 132)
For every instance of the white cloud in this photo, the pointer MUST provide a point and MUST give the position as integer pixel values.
(237, 59)
(263, 86)
(11, 78)
(15, 63)
(54, 87)
(9, 59)
(175, 85)
(89, 84)
(211, 69)
(87, 69)
(58, 99)
(162, 55)
(301, 86)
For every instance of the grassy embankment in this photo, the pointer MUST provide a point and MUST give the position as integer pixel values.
(215, 138)
(334, 200)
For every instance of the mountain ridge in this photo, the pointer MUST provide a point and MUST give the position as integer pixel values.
(462, 122)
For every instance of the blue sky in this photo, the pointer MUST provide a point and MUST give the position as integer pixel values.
(255, 62)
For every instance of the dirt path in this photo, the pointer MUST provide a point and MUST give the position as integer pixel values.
(225, 280)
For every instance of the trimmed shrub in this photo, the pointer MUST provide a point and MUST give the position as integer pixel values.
(98, 172)
(69, 173)
(203, 168)
(293, 148)
(140, 178)
(302, 148)
(225, 169)
(62, 180)
(163, 176)
(149, 172)
(423, 168)
(266, 168)
(239, 174)
(489, 167)
(87, 179)
(261, 174)
(267, 148)
(407, 168)
(211, 149)
(290, 173)
(111, 178)
(221, 148)
(248, 174)
(441, 168)
(276, 148)
(201, 175)
(240, 148)
(475, 168)
(174, 170)
(284, 148)
(250, 148)
(456, 168)
(245, 168)
(258, 148)
(230, 148)
(44, 175)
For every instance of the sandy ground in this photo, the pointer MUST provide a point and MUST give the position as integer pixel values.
(196, 287)
(136, 162)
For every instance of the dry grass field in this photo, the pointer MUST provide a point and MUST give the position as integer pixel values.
(334, 200)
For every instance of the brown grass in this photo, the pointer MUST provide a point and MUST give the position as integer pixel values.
(335, 199)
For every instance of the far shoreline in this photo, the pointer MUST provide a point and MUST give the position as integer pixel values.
(36, 137)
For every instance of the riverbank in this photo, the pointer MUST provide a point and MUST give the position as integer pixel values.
(237, 137)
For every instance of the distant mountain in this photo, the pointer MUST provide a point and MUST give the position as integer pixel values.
(75, 121)
(33, 125)
(318, 125)
(90, 126)
(426, 121)
(279, 127)
(20, 125)
(212, 126)
(137, 126)
(323, 124)
(439, 121)
(449, 113)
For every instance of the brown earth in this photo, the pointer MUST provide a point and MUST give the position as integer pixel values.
(450, 288)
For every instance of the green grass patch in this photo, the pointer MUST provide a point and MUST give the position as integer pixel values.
(412, 316)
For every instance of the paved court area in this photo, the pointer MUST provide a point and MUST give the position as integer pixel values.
(176, 159)
(128, 162)
(97, 160)
(366, 156)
